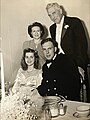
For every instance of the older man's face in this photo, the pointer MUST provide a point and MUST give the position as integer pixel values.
(49, 50)
(54, 14)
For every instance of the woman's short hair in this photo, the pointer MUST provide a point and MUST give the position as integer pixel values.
(51, 40)
(36, 62)
(33, 25)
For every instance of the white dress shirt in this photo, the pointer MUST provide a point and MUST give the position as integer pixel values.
(58, 34)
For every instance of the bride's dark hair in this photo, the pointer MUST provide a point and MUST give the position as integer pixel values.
(36, 61)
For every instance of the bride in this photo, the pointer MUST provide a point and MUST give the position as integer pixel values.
(24, 99)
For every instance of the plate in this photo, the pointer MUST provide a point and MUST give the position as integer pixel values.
(83, 118)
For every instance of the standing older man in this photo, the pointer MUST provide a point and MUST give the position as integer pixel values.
(60, 76)
(70, 35)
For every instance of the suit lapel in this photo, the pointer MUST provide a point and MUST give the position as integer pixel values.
(63, 31)
(53, 31)
(65, 27)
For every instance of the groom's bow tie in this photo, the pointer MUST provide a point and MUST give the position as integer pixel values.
(49, 61)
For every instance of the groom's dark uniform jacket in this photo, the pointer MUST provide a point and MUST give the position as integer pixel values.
(61, 78)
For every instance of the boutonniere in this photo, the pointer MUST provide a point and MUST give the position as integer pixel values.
(66, 26)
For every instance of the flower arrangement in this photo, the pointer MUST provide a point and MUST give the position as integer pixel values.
(21, 107)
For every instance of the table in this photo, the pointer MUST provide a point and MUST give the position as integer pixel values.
(71, 108)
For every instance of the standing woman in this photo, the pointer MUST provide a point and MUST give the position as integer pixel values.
(36, 31)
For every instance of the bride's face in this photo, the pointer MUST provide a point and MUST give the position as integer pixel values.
(29, 58)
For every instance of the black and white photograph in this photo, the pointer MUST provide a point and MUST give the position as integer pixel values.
(45, 60)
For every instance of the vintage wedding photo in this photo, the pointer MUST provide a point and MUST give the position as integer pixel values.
(44, 60)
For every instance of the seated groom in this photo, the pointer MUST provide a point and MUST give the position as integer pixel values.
(60, 76)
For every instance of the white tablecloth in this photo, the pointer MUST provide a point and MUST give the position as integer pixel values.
(71, 108)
